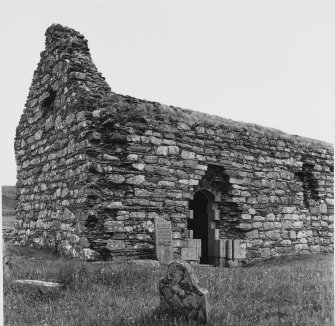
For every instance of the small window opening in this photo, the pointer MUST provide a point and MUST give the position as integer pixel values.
(332, 169)
(48, 102)
(310, 183)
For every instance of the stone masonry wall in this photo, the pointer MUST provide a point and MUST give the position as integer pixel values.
(95, 168)
(51, 144)
(276, 191)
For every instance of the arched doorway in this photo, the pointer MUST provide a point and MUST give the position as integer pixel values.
(200, 223)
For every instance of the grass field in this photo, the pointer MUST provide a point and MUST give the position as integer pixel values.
(285, 291)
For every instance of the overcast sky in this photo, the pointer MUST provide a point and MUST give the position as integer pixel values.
(267, 62)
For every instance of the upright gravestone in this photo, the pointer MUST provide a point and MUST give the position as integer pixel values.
(180, 293)
(163, 241)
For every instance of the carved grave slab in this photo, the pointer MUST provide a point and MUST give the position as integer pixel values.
(179, 292)
(163, 241)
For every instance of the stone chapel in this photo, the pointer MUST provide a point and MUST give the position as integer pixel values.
(95, 168)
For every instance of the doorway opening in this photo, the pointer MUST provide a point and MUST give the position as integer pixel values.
(200, 223)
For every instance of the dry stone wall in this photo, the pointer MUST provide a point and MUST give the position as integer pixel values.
(276, 192)
(96, 168)
(51, 144)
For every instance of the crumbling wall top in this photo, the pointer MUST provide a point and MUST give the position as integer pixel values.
(58, 35)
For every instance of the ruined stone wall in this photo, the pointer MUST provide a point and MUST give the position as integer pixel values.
(95, 168)
(276, 191)
(51, 144)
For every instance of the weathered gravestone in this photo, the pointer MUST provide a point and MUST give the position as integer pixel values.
(163, 241)
(179, 291)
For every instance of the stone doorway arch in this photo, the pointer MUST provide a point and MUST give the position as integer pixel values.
(202, 223)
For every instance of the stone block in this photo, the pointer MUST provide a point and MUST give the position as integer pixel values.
(68, 215)
(115, 245)
(245, 226)
(136, 180)
(110, 157)
(270, 217)
(289, 210)
(113, 205)
(265, 252)
(258, 218)
(148, 226)
(232, 263)
(257, 225)
(187, 155)
(301, 234)
(251, 211)
(184, 254)
(180, 293)
(301, 246)
(89, 254)
(189, 254)
(323, 208)
(114, 226)
(238, 251)
(298, 224)
(229, 249)
(142, 192)
(138, 166)
(173, 150)
(219, 248)
(162, 150)
(252, 234)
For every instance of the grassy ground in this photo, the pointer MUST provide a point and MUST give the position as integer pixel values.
(278, 292)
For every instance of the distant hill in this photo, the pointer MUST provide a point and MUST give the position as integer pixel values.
(8, 200)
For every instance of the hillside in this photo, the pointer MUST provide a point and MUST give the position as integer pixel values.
(8, 200)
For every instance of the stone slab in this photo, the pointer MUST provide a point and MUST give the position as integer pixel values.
(163, 241)
(179, 292)
(219, 248)
(238, 251)
(189, 254)
(229, 249)
(38, 283)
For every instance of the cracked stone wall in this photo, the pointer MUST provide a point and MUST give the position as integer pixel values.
(95, 168)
